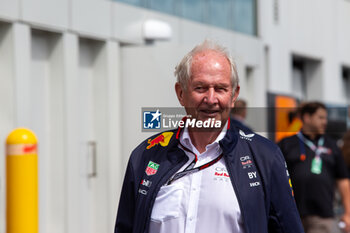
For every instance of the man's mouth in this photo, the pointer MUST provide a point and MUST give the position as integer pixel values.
(209, 113)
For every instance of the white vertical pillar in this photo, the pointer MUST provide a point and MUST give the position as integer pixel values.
(7, 103)
(70, 66)
(21, 58)
(116, 168)
(100, 184)
(57, 162)
(258, 81)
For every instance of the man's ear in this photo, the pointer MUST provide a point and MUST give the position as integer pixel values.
(179, 92)
(235, 96)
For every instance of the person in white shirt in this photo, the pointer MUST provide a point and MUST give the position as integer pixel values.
(198, 179)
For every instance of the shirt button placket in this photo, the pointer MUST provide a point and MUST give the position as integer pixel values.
(193, 203)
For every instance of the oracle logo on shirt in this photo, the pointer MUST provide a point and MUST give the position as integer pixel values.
(246, 161)
(244, 158)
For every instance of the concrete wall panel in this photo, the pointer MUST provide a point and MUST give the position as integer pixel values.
(92, 17)
(9, 9)
(47, 14)
(343, 31)
(311, 26)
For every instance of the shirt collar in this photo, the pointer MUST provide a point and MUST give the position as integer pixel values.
(318, 136)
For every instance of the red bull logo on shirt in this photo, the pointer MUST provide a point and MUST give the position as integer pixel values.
(162, 139)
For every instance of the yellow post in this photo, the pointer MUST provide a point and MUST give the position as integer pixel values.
(22, 182)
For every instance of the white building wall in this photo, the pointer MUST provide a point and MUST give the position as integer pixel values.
(343, 32)
(312, 29)
(39, 76)
(49, 14)
(9, 9)
(313, 34)
(273, 30)
(84, 22)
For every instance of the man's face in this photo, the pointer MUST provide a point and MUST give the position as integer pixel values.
(317, 122)
(209, 90)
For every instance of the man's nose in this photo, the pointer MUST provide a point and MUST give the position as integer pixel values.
(211, 97)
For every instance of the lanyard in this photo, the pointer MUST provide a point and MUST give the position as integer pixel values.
(319, 149)
(189, 169)
(316, 163)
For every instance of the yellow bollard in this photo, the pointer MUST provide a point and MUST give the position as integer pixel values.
(22, 182)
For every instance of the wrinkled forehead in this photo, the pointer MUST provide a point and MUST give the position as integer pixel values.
(212, 57)
(210, 62)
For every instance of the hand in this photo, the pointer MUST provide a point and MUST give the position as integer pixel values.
(346, 219)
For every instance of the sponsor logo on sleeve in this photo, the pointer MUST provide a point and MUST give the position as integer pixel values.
(152, 168)
(142, 191)
(146, 183)
(162, 139)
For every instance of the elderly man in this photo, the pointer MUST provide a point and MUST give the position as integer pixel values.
(197, 179)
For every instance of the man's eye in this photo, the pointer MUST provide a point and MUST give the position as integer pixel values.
(220, 89)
